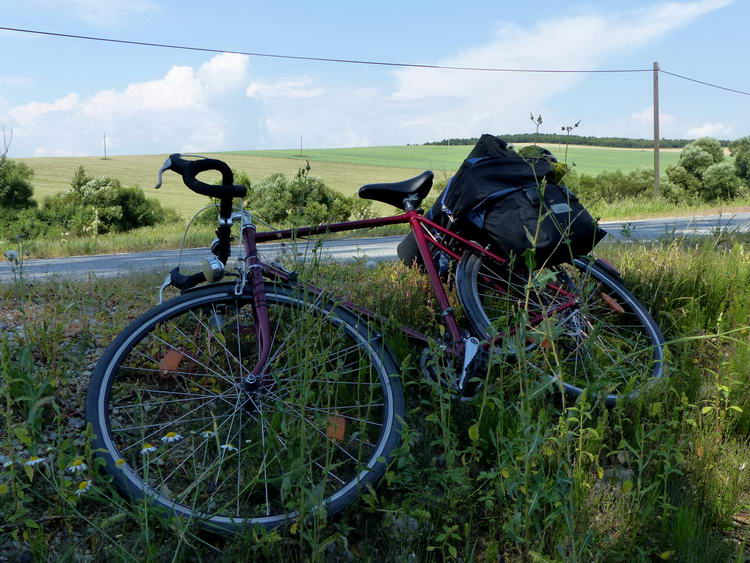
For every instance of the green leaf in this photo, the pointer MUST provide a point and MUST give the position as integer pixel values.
(22, 434)
(736, 408)
(453, 551)
(706, 410)
(29, 523)
(627, 486)
(474, 432)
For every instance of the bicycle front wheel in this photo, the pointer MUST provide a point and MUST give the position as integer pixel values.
(181, 422)
(576, 323)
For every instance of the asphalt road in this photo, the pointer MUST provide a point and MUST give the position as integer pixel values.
(377, 248)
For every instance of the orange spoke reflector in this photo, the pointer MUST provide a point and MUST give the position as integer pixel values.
(611, 303)
(336, 428)
(170, 362)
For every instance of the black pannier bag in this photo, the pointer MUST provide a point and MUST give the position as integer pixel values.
(512, 204)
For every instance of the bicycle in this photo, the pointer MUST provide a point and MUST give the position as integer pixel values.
(260, 400)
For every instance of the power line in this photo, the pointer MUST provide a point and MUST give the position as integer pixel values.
(319, 59)
(363, 62)
(705, 83)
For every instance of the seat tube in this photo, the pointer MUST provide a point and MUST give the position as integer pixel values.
(446, 311)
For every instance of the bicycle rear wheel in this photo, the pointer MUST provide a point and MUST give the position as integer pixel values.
(180, 423)
(576, 323)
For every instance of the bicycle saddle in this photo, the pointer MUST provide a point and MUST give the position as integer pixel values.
(395, 193)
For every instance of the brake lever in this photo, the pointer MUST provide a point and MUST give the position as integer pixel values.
(164, 167)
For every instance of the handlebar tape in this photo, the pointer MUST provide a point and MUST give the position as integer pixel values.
(183, 282)
(189, 169)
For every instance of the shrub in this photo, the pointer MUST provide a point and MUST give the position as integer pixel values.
(695, 160)
(720, 182)
(702, 174)
(302, 200)
(740, 150)
(610, 185)
(91, 206)
(15, 185)
(711, 146)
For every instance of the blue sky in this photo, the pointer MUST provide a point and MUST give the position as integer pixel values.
(60, 96)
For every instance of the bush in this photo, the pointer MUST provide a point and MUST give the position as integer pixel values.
(720, 182)
(16, 191)
(303, 200)
(695, 160)
(711, 146)
(702, 174)
(92, 206)
(740, 150)
(610, 185)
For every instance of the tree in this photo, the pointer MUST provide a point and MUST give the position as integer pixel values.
(702, 174)
(740, 150)
(720, 182)
(711, 146)
(16, 192)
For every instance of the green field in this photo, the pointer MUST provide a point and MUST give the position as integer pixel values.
(342, 169)
(441, 158)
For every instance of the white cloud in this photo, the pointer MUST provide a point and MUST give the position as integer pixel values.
(302, 87)
(647, 117)
(173, 112)
(432, 103)
(710, 130)
(24, 115)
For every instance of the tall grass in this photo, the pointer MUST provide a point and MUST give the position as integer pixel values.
(645, 208)
(518, 474)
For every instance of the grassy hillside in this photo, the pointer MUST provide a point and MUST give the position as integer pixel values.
(343, 169)
(52, 175)
(442, 158)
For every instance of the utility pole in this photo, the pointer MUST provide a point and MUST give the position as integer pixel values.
(300, 145)
(656, 129)
(105, 146)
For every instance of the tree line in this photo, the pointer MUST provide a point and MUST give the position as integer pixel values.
(558, 138)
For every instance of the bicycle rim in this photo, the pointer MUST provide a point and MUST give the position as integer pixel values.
(171, 406)
(574, 323)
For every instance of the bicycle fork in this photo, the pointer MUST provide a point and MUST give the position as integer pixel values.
(251, 271)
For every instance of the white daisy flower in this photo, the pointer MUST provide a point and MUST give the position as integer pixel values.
(208, 434)
(147, 449)
(34, 460)
(228, 448)
(83, 487)
(170, 437)
(77, 466)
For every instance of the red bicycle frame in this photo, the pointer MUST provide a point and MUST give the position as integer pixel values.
(421, 228)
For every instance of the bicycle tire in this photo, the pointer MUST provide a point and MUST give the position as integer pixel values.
(174, 424)
(608, 342)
